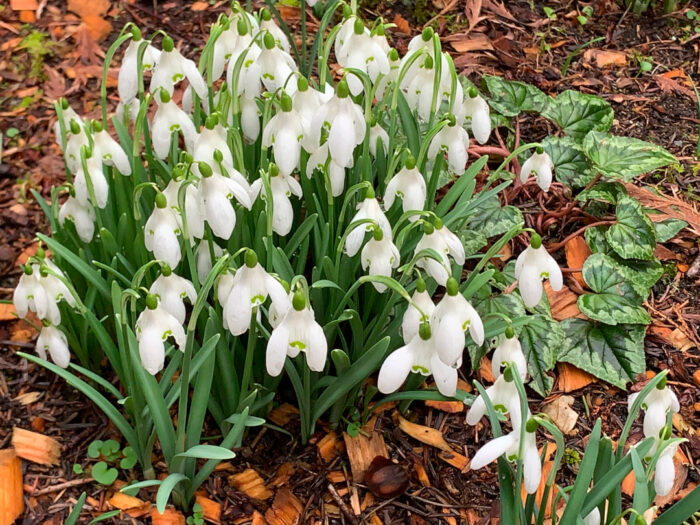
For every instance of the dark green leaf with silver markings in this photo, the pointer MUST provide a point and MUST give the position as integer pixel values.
(612, 309)
(632, 236)
(510, 97)
(612, 353)
(578, 113)
(667, 229)
(603, 191)
(571, 166)
(541, 338)
(492, 219)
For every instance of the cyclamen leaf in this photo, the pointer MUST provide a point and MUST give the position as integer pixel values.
(624, 157)
(632, 237)
(578, 113)
(541, 338)
(602, 275)
(667, 229)
(612, 309)
(571, 166)
(612, 353)
(510, 97)
(492, 219)
(603, 191)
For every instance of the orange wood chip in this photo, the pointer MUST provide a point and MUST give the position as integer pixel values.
(577, 251)
(434, 438)
(283, 414)
(330, 446)
(210, 509)
(362, 449)
(375, 520)
(35, 447)
(123, 501)
(572, 378)
(284, 472)
(24, 5)
(8, 312)
(257, 519)
(336, 476)
(170, 516)
(452, 407)
(421, 474)
(485, 370)
(562, 303)
(251, 484)
(11, 500)
(285, 510)
(367, 501)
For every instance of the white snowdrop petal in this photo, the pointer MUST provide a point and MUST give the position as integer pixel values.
(493, 450)
(395, 370)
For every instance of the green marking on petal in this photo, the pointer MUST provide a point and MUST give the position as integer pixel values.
(466, 325)
(420, 370)
(500, 408)
(298, 344)
(257, 299)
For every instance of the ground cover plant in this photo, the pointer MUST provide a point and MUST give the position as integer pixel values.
(346, 226)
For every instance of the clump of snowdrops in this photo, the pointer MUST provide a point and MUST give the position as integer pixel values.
(250, 218)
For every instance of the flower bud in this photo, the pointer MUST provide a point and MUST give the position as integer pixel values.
(74, 127)
(28, 270)
(662, 384)
(508, 374)
(438, 223)
(286, 102)
(428, 63)
(377, 234)
(265, 14)
(410, 161)
(242, 27)
(97, 126)
(428, 228)
(40, 253)
(359, 27)
(85, 151)
(218, 156)
(393, 55)
(135, 34)
(302, 84)
(64, 104)
(531, 425)
(510, 333)
(473, 93)
(164, 96)
(539, 150)
(369, 192)
(212, 121)
(166, 270)
(342, 90)
(273, 170)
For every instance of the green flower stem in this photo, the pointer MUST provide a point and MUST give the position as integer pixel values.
(249, 355)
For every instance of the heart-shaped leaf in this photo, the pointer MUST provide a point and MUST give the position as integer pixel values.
(612, 353)
(541, 338)
(667, 229)
(510, 97)
(632, 236)
(571, 166)
(612, 309)
(624, 157)
(491, 219)
(578, 113)
(103, 473)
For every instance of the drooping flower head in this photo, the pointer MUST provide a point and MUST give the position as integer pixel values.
(540, 163)
(54, 341)
(533, 265)
(409, 185)
(153, 327)
(379, 256)
(172, 290)
(440, 239)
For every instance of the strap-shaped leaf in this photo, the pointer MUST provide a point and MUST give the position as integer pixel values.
(207, 452)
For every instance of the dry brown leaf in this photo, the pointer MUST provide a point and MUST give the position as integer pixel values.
(572, 378)
(561, 413)
(667, 85)
(577, 251)
(97, 27)
(84, 8)
(428, 435)
(674, 337)
(472, 9)
(286, 509)
(362, 449)
(402, 24)
(251, 484)
(283, 414)
(35, 447)
(28, 398)
(605, 57)
(667, 207)
(11, 497)
(562, 303)
(475, 42)
(199, 6)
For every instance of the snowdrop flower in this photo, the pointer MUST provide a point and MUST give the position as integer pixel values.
(413, 317)
(82, 216)
(379, 256)
(248, 289)
(533, 265)
(170, 118)
(367, 209)
(284, 133)
(593, 517)
(297, 332)
(276, 66)
(409, 185)
(665, 470)
(203, 258)
(173, 67)
(216, 190)
(356, 47)
(30, 293)
(250, 118)
(306, 103)
(445, 243)
(267, 23)
(479, 113)
(77, 138)
(54, 341)
(452, 317)
(418, 356)
(128, 79)
(282, 212)
(377, 132)
(418, 87)
(509, 350)
(109, 151)
(453, 140)
(56, 290)
(153, 327)
(347, 126)
(503, 394)
(540, 163)
(509, 446)
(161, 231)
(386, 82)
(319, 160)
(68, 115)
(232, 41)
(193, 212)
(100, 187)
(656, 407)
(171, 291)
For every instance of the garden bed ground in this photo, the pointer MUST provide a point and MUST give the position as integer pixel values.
(47, 52)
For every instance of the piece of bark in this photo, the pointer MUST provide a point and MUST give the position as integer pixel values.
(210, 509)
(572, 378)
(577, 251)
(330, 446)
(35, 447)
(363, 449)
(562, 303)
(11, 498)
(170, 516)
(283, 414)
(285, 510)
(251, 484)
